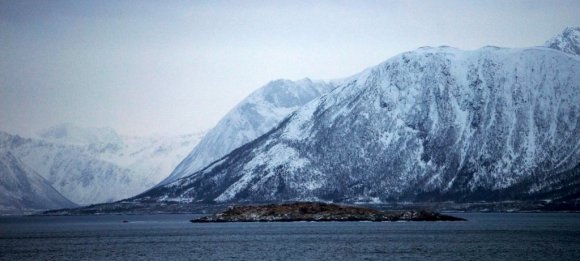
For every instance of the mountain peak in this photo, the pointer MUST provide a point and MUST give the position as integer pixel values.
(567, 41)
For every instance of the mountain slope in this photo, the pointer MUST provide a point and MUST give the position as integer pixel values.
(432, 124)
(255, 115)
(98, 168)
(568, 41)
(22, 191)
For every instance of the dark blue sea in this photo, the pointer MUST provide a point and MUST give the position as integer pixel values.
(485, 236)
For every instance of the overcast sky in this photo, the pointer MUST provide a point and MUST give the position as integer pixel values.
(173, 67)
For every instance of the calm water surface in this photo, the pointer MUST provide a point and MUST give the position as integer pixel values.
(521, 236)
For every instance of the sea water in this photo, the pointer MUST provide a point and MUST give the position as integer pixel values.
(504, 236)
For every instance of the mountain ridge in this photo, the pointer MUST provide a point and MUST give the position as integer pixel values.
(87, 170)
(256, 114)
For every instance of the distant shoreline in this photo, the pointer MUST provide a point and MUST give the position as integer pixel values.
(130, 207)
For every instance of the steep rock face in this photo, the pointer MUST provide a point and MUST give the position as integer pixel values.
(568, 41)
(22, 191)
(251, 118)
(93, 166)
(432, 124)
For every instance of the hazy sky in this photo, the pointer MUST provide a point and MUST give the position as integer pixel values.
(171, 67)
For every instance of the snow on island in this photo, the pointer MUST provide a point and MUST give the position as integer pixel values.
(313, 211)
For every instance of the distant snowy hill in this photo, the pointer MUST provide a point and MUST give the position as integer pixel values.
(22, 191)
(153, 158)
(568, 41)
(435, 124)
(254, 116)
(89, 165)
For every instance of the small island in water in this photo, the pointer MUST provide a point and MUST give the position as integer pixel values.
(314, 211)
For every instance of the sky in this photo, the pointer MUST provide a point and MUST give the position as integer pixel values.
(177, 67)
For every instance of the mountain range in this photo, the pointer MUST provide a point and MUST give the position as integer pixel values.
(437, 124)
(96, 165)
(434, 124)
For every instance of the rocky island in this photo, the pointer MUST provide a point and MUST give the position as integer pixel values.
(314, 211)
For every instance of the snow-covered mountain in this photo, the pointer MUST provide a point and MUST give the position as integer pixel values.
(22, 191)
(568, 41)
(431, 124)
(252, 117)
(89, 165)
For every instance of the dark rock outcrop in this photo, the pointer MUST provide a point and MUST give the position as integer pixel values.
(311, 211)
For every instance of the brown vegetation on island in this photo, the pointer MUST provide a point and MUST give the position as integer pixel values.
(315, 211)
